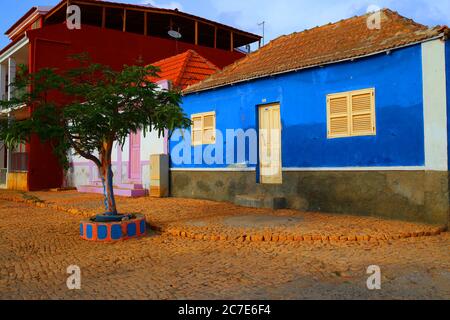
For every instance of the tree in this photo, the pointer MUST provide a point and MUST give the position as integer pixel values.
(89, 107)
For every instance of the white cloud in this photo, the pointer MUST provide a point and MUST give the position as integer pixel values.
(156, 3)
(165, 5)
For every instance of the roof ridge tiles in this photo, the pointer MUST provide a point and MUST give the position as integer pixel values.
(332, 42)
(185, 68)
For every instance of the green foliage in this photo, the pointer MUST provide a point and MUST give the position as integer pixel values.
(90, 106)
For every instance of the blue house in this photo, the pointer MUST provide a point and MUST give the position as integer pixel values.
(349, 117)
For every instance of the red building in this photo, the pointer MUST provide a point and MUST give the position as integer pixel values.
(111, 33)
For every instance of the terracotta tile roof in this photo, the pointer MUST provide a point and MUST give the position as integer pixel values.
(346, 39)
(185, 69)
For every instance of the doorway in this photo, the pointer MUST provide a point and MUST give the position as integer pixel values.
(270, 166)
(134, 168)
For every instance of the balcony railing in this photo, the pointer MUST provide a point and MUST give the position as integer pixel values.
(19, 161)
(3, 172)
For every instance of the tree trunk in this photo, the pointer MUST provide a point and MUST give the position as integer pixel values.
(107, 180)
(108, 190)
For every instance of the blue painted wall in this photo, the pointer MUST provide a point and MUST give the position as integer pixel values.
(397, 79)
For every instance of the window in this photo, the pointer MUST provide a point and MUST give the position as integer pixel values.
(351, 114)
(19, 158)
(203, 129)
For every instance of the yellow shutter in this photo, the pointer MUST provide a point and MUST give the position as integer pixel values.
(351, 113)
(338, 115)
(209, 129)
(363, 115)
(196, 131)
(203, 129)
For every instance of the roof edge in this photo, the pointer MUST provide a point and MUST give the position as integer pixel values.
(161, 10)
(443, 30)
(445, 34)
(21, 19)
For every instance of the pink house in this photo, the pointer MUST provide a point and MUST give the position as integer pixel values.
(131, 164)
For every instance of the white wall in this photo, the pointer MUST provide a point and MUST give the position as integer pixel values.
(150, 144)
(435, 105)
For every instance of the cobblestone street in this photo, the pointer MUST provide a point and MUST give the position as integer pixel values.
(38, 244)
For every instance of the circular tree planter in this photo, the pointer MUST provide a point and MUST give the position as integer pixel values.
(113, 231)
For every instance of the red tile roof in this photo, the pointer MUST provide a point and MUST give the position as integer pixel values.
(343, 40)
(185, 69)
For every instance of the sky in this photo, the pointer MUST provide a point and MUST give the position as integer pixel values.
(280, 16)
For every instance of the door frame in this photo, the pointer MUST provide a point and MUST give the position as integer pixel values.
(258, 123)
(139, 179)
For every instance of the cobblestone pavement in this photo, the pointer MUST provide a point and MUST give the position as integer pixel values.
(38, 244)
(192, 218)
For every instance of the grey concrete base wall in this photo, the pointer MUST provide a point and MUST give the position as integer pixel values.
(421, 196)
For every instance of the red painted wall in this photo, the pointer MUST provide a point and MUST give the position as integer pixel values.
(51, 45)
(116, 48)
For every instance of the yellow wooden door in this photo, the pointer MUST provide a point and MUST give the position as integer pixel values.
(270, 144)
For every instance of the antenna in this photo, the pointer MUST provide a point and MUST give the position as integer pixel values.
(263, 24)
(176, 35)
